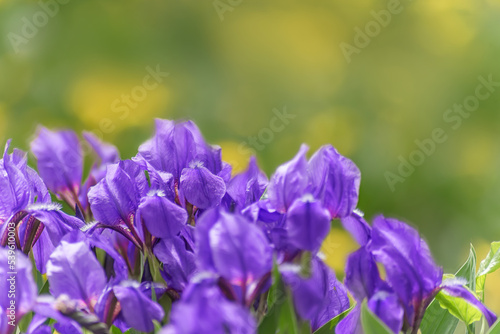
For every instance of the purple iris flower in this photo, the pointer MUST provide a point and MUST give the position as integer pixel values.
(176, 145)
(311, 194)
(27, 216)
(330, 177)
(335, 181)
(231, 246)
(60, 160)
(82, 291)
(17, 288)
(289, 182)
(59, 157)
(105, 154)
(179, 149)
(363, 280)
(317, 298)
(413, 279)
(204, 309)
(125, 201)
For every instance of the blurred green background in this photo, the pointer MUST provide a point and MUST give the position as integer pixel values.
(232, 62)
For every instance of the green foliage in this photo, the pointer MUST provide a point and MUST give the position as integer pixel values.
(372, 324)
(460, 308)
(490, 264)
(281, 316)
(437, 318)
(329, 327)
(495, 329)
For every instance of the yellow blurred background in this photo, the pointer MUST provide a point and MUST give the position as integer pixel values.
(233, 65)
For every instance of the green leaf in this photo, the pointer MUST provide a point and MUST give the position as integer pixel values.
(438, 320)
(281, 317)
(490, 264)
(459, 308)
(115, 330)
(329, 327)
(372, 324)
(495, 329)
(45, 288)
(25, 322)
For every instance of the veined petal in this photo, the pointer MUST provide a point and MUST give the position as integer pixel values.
(163, 218)
(115, 198)
(202, 188)
(335, 180)
(289, 182)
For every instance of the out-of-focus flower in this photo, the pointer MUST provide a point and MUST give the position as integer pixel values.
(26, 210)
(60, 160)
(412, 278)
(82, 291)
(17, 288)
(204, 309)
(59, 157)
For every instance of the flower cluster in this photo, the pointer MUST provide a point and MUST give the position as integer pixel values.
(171, 241)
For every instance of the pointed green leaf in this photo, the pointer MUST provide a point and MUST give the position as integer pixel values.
(281, 316)
(495, 329)
(490, 264)
(459, 308)
(372, 324)
(329, 327)
(438, 320)
(115, 330)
